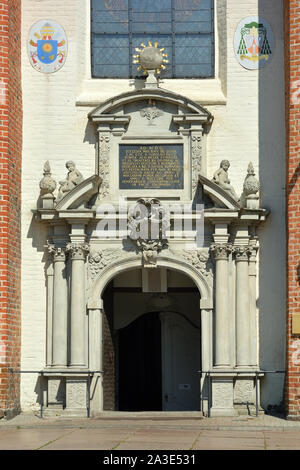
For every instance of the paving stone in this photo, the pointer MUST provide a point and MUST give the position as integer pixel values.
(215, 443)
(25, 439)
(232, 434)
(89, 439)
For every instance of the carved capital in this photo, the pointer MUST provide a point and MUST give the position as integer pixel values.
(221, 251)
(78, 251)
(253, 253)
(242, 252)
(58, 252)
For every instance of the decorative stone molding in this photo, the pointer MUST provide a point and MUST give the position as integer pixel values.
(201, 260)
(76, 393)
(222, 393)
(242, 252)
(221, 251)
(243, 391)
(196, 140)
(104, 148)
(101, 258)
(148, 216)
(78, 251)
(150, 250)
(151, 112)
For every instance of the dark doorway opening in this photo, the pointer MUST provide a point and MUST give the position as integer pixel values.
(140, 365)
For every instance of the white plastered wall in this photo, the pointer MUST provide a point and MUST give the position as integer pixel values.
(248, 109)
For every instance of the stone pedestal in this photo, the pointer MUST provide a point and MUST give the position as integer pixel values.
(66, 394)
(76, 396)
(244, 389)
(56, 393)
(222, 396)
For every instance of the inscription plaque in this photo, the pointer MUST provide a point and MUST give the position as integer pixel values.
(151, 166)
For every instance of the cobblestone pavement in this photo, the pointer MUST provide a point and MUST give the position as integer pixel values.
(149, 432)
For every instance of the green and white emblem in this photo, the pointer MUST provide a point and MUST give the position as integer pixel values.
(253, 42)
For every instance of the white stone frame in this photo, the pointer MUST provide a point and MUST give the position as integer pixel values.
(211, 91)
(183, 194)
(163, 261)
(190, 121)
(95, 309)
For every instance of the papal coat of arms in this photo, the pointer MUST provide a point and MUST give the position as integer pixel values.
(253, 42)
(47, 46)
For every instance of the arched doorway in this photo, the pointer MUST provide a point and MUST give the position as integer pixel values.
(154, 339)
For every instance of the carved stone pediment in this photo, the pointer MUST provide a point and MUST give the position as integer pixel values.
(80, 196)
(117, 102)
(219, 196)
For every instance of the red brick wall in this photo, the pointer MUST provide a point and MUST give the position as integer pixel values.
(292, 68)
(10, 204)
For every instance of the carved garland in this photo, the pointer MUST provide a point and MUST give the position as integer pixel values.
(99, 259)
(104, 148)
(196, 159)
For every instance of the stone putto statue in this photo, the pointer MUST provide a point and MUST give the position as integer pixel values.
(73, 178)
(221, 178)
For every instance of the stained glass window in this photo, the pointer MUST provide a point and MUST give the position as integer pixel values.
(185, 28)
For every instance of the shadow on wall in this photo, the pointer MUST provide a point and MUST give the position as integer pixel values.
(272, 268)
(90, 134)
(37, 233)
(294, 180)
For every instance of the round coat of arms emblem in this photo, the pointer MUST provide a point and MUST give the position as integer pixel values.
(47, 46)
(253, 42)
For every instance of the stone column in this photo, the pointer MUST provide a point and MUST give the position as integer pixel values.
(242, 307)
(96, 359)
(50, 275)
(60, 307)
(252, 303)
(206, 354)
(78, 304)
(222, 315)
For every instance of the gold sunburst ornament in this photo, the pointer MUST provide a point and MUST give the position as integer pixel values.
(150, 58)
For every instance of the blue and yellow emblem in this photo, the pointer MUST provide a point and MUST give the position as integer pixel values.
(47, 50)
(47, 46)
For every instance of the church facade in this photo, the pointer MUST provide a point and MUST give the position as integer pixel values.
(153, 264)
